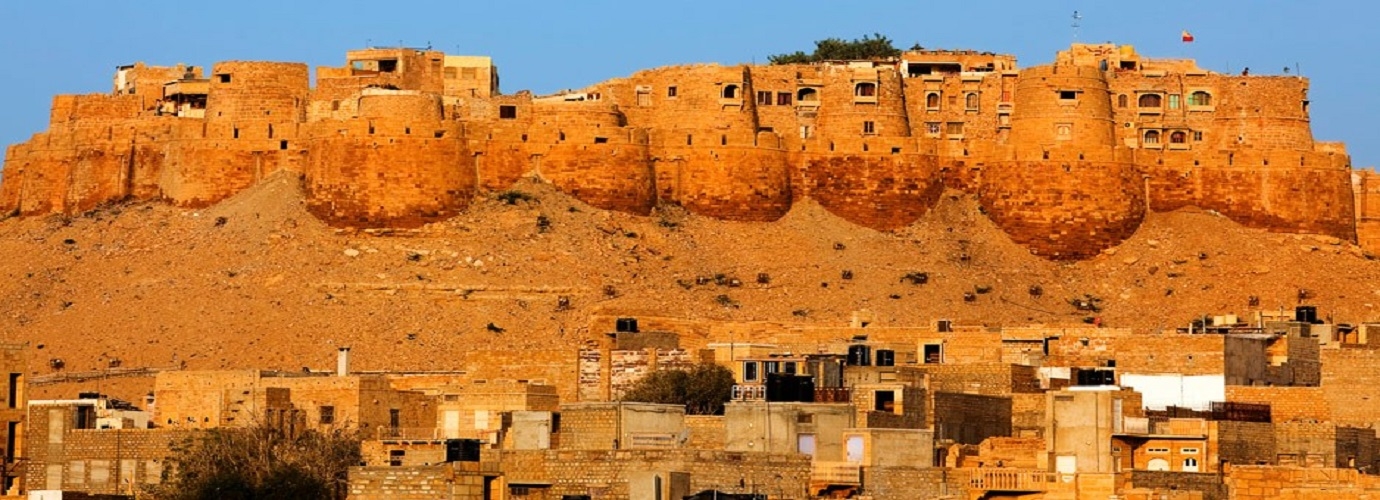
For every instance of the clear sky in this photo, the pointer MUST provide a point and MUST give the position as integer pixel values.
(66, 46)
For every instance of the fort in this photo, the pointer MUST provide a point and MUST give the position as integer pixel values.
(1066, 158)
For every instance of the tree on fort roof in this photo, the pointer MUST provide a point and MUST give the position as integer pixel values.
(875, 46)
(703, 389)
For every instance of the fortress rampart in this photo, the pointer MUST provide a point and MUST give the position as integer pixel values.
(1067, 158)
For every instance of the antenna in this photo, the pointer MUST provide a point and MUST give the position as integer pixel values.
(1077, 23)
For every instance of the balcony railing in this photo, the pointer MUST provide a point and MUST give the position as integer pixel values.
(836, 473)
(410, 433)
(749, 392)
(1011, 480)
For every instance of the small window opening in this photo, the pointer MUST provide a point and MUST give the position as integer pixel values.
(1150, 101)
(1178, 138)
(783, 98)
(1068, 95)
(1197, 136)
(689, 140)
(934, 354)
(223, 77)
(507, 112)
(971, 101)
(895, 151)
(388, 65)
(560, 136)
(282, 144)
(865, 89)
(764, 98)
(869, 127)
(730, 92)
(270, 131)
(1152, 137)
(884, 401)
(440, 134)
(932, 101)
(524, 137)
(407, 130)
(335, 105)
(1200, 98)
(601, 140)
(749, 371)
(237, 133)
(807, 95)
(327, 415)
(723, 140)
(671, 91)
(1121, 101)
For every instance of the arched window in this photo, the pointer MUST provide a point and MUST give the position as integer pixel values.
(730, 91)
(1121, 101)
(1200, 98)
(1157, 464)
(1150, 101)
(807, 95)
(865, 89)
(1152, 137)
(971, 101)
(932, 101)
(1190, 465)
(1178, 137)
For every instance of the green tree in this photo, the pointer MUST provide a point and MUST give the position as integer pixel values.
(703, 389)
(260, 463)
(875, 46)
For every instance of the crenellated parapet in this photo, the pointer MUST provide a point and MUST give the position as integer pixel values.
(1067, 158)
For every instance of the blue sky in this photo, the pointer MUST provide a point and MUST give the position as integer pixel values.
(66, 46)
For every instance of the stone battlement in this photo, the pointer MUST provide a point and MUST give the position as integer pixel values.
(1067, 157)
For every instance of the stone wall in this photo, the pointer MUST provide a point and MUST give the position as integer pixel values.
(605, 473)
(971, 418)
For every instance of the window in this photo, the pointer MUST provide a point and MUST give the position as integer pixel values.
(394, 418)
(1190, 465)
(807, 95)
(934, 354)
(644, 97)
(388, 65)
(783, 98)
(1068, 95)
(954, 128)
(730, 92)
(884, 401)
(932, 101)
(1200, 98)
(1121, 101)
(14, 392)
(1152, 137)
(865, 89)
(750, 371)
(1063, 131)
(327, 415)
(1188, 451)
(1157, 450)
(395, 457)
(1173, 101)
(671, 91)
(1150, 101)
(971, 101)
(789, 367)
(469, 73)
(335, 105)
(932, 128)
(771, 367)
(452, 73)
(1178, 137)
(223, 77)
(869, 127)
(764, 98)
(1197, 136)
(507, 112)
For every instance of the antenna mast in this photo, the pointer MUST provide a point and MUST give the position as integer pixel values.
(1077, 23)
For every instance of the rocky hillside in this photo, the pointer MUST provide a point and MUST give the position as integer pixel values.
(257, 282)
